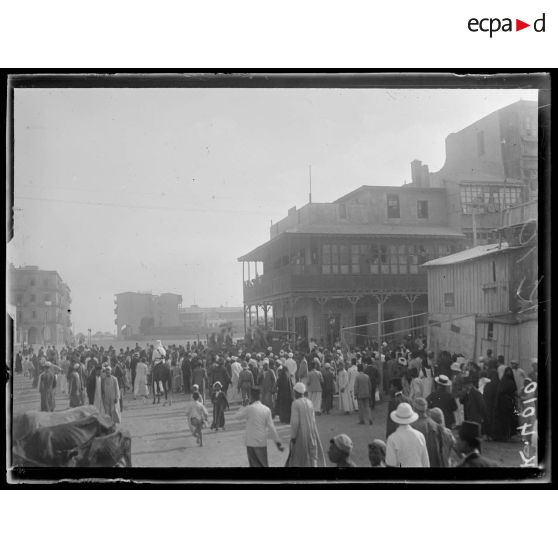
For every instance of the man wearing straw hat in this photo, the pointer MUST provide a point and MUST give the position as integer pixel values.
(406, 447)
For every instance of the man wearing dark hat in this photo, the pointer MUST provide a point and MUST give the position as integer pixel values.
(259, 424)
(474, 407)
(431, 432)
(443, 399)
(469, 446)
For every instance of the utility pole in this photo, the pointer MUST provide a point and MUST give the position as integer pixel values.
(310, 176)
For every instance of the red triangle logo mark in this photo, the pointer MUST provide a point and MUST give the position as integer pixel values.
(519, 25)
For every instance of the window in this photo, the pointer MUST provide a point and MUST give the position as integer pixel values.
(33, 314)
(32, 282)
(393, 206)
(344, 259)
(330, 259)
(45, 282)
(413, 260)
(480, 143)
(449, 299)
(342, 211)
(491, 198)
(47, 298)
(19, 299)
(384, 260)
(494, 271)
(422, 209)
(374, 260)
(529, 126)
(490, 331)
(357, 253)
(32, 298)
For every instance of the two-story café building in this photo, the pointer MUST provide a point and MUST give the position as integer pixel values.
(352, 262)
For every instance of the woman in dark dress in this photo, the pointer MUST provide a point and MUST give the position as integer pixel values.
(284, 395)
(489, 394)
(505, 418)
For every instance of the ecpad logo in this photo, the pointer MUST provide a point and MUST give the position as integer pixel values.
(494, 24)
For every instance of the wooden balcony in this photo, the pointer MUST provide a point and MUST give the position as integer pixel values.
(308, 280)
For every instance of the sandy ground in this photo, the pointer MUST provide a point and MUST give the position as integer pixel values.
(161, 438)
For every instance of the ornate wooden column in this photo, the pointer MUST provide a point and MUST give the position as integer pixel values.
(381, 298)
(322, 301)
(411, 299)
(353, 300)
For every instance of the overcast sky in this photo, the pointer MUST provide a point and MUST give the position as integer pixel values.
(162, 190)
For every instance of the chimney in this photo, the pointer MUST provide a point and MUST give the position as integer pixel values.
(425, 176)
(416, 166)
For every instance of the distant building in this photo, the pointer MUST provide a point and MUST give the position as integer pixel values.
(42, 302)
(195, 319)
(486, 297)
(140, 313)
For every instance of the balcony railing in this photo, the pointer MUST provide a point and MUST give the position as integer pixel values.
(309, 279)
(519, 214)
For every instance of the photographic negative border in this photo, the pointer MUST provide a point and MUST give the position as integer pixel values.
(245, 477)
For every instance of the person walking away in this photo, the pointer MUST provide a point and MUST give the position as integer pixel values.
(246, 383)
(519, 375)
(377, 453)
(186, 368)
(443, 399)
(74, 387)
(339, 452)
(141, 388)
(505, 419)
(120, 375)
(448, 440)
(302, 372)
(345, 401)
(373, 373)
(469, 446)
(236, 368)
(259, 424)
(220, 405)
(328, 389)
(363, 394)
(292, 367)
(474, 407)
(305, 446)
(431, 432)
(396, 396)
(268, 386)
(314, 387)
(199, 376)
(110, 395)
(406, 447)
(197, 417)
(47, 388)
(353, 373)
(284, 395)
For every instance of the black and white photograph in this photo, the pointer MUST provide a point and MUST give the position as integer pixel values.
(212, 273)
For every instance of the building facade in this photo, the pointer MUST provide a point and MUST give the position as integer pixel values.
(490, 166)
(42, 303)
(143, 313)
(354, 265)
(486, 297)
(349, 264)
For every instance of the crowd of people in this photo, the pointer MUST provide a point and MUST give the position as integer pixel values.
(439, 407)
